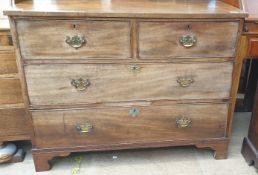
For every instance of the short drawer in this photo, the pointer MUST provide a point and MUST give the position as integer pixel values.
(10, 91)
(251, 27)
(63, 39)
(8, 63)
(253, 47)
(96, 83)
(13, 124)
(65, 128)
(159, 40)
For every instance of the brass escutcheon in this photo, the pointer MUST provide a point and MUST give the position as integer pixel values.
(84, 128)
(80, 84)
(183, 122)
(76, 41)
(188, 40)
(185, 81)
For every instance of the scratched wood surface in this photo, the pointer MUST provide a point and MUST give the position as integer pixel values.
(142, 32)
(116, 125)
(161, 39)
(132, 8)
(103, 39)
(10, 91)
(8, 63)
(51, 84)
(14, 125)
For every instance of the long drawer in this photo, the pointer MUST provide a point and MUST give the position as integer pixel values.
(76, 39)
(59, 84)
(159, 40)
(83, 127)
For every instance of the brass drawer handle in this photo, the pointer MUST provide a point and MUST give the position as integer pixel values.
(188, 40)
(76, 41)
(135, 112)
(183, 122)
(135, 68)
(185, 81)
(84, 128)
(80, 84)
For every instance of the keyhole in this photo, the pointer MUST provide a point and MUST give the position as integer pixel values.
(188, 27)
(135, 112)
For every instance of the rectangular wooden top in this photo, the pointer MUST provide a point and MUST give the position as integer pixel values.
(251, 6)
(127, 8)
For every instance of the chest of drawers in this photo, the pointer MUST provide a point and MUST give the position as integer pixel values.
(13, 123)
(110, 75)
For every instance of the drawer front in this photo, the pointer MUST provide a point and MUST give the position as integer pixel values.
(253, 47)
(8, 63)
(5, 39)
(63, 39)
(13, 123)
(251, 27)
(119, 125)
(10, 91)
(187, 39)
(96, 83)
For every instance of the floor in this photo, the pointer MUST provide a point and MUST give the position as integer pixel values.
(168, 161)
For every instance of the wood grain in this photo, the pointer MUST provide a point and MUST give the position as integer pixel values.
(236, 77)
(221, 149)
(161, 39)
(116, 125)
(42, 161)
(253, 48)
(13, 124)
(46, 69)
(48, 154)
(22, 78)
(105, 39)
(235, 3)
(10, 91)
(133, 8)
(8, 63)
(5, 38)
(51, 84)
(251, 28)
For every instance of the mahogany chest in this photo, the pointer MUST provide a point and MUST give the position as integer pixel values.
(110, 75)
